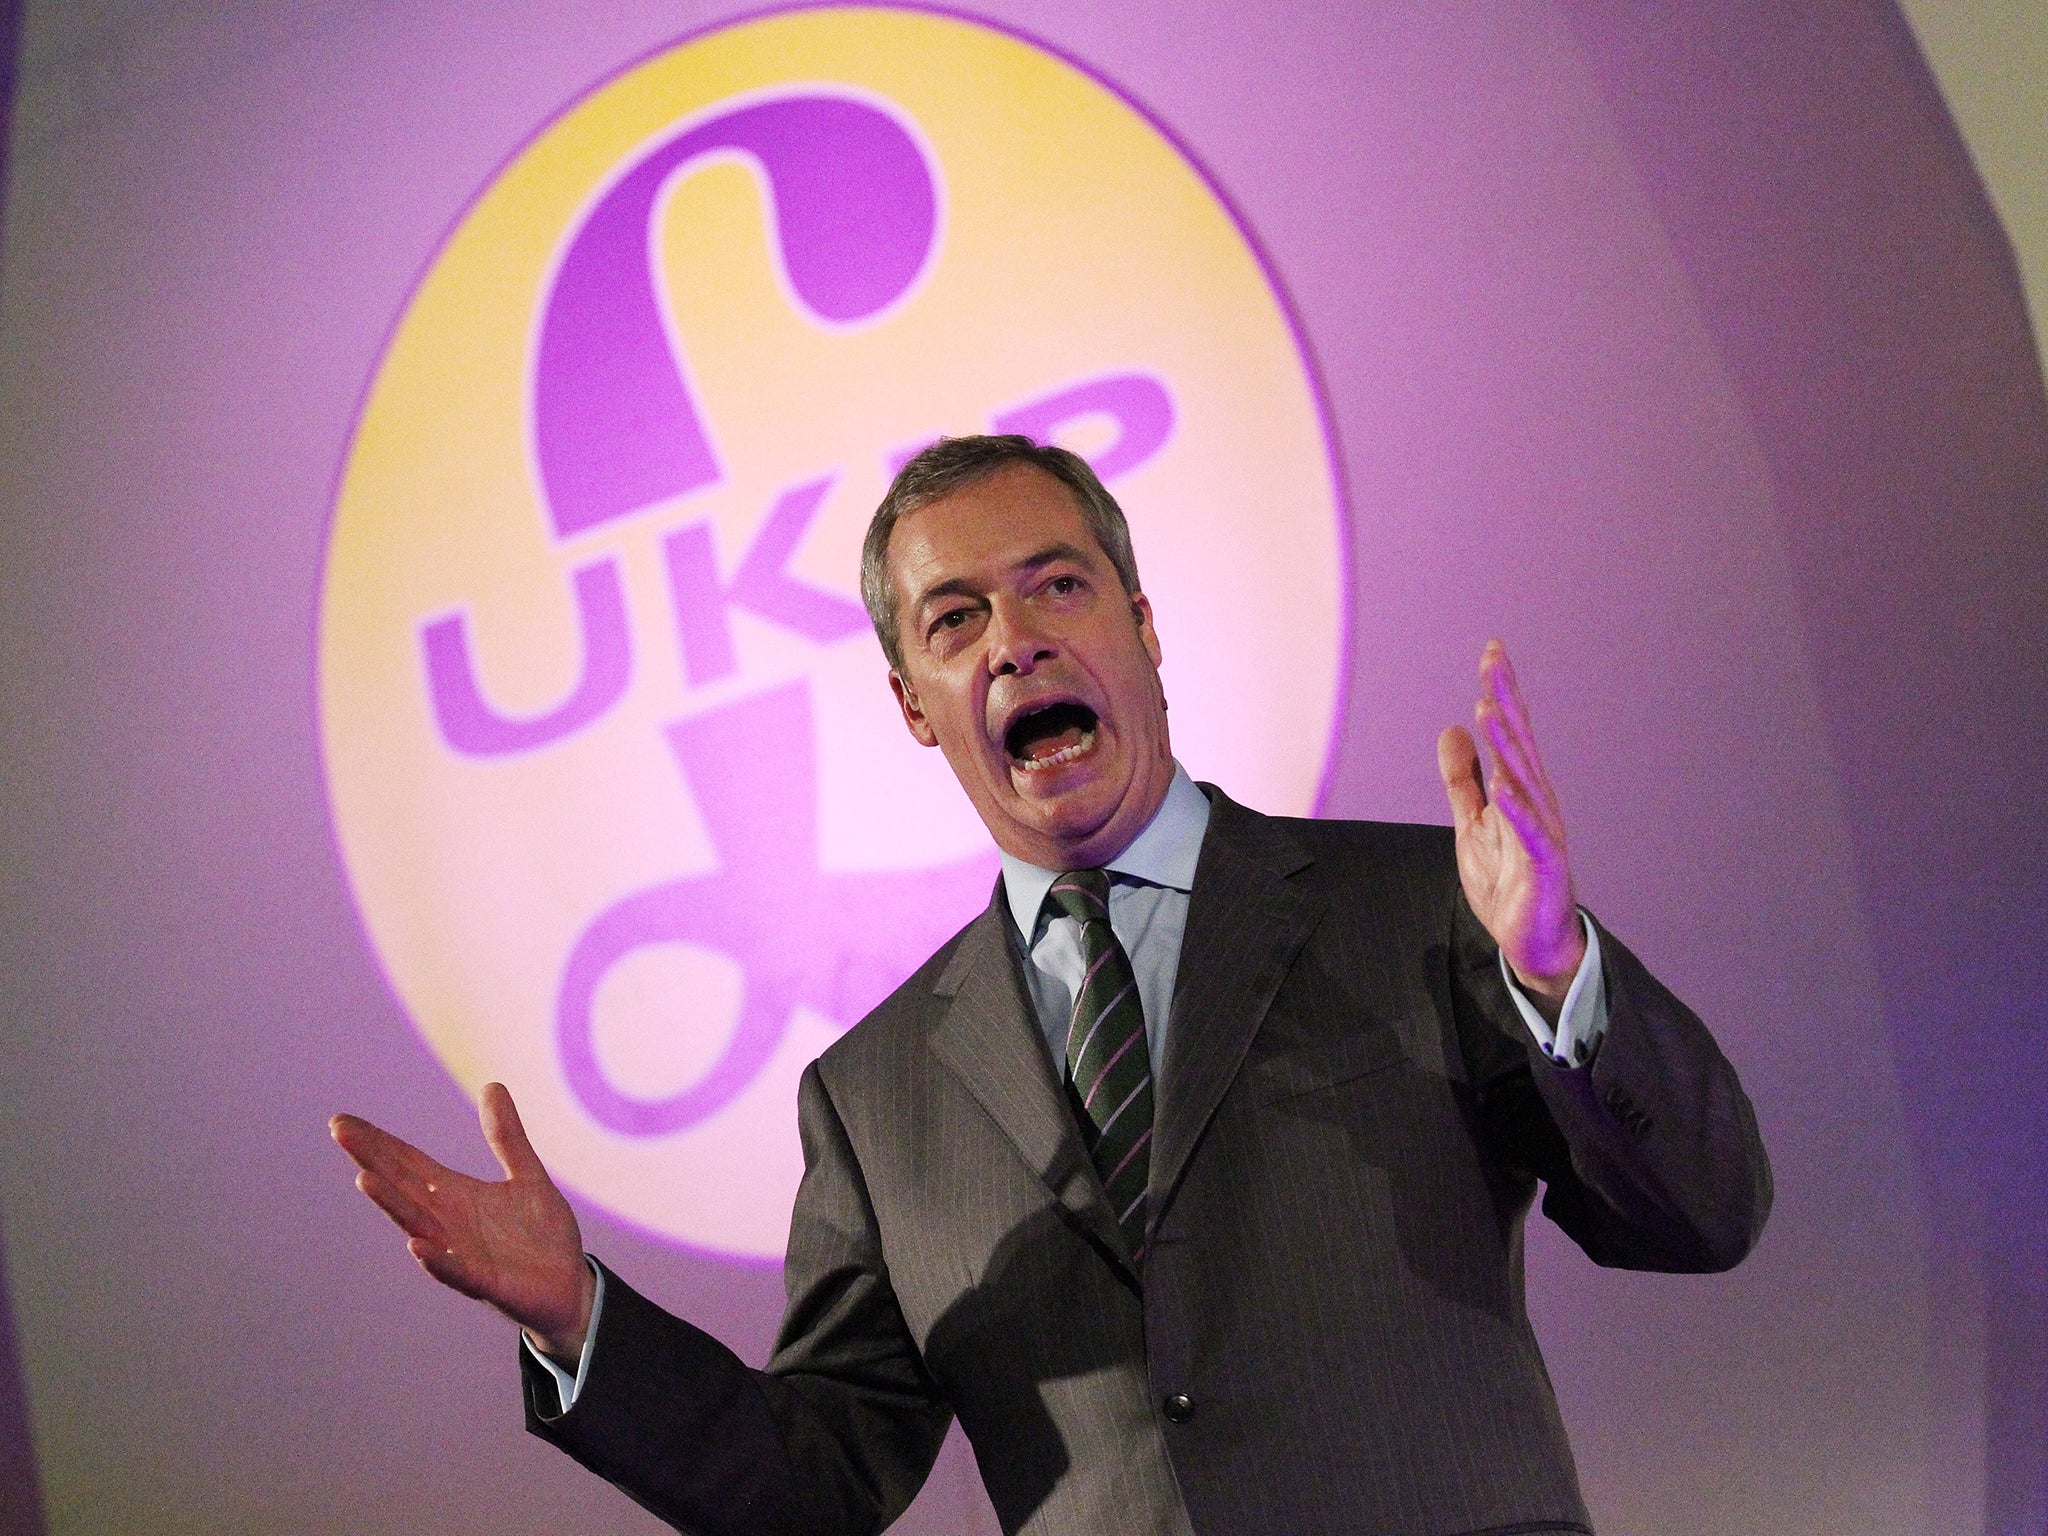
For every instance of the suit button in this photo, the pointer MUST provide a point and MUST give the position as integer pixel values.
(1178, 1408)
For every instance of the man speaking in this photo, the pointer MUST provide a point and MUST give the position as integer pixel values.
(1191, 1174)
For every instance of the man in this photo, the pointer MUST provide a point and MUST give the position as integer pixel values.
(1191, 1174)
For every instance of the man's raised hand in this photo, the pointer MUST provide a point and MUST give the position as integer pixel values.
(513, 1243)
(1511, 847)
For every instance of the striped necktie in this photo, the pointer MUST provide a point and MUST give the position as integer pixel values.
(1109, 1073)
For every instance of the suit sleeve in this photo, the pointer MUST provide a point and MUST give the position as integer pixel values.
(834, 1438)
(1650, 1154)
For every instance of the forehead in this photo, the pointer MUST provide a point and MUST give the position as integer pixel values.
(986, 528)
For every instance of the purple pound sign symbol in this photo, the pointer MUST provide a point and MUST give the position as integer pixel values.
(854, 211)
(835, 943)
(615, 427)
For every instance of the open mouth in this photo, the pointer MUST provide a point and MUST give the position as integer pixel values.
(1047, 738)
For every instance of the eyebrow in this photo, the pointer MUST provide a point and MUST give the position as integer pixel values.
(959, 586)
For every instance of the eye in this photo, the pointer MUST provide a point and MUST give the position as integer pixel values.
(1063, 586)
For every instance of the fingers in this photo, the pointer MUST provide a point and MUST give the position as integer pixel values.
(1521, 790)
(499, 1117)
(1497, 677)
(399, 1203)
(1509, 756)
(1522, 796)
(357, 1137)
(1502, 712)
(1457, 759)
(1538, 832)
(1518, 786)
(374, 1148)
(401, 1179)
(1514, 736)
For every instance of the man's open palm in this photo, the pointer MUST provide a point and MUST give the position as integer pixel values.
(1511, 847)
(513, 1243)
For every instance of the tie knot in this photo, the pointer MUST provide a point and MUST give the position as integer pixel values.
(1083, 894)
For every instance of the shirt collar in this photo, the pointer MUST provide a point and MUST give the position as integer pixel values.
(1164, 854)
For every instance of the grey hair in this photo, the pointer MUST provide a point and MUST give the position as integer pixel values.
(952, 463)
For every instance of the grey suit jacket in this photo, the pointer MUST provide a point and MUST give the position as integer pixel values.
(1329, 1332)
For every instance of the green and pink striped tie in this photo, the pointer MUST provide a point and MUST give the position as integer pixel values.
(1109, 1073)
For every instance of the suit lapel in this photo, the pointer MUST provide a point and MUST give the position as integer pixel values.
(1246, 923)
(990, 1040)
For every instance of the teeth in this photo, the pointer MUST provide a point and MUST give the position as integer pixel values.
(1064, 755)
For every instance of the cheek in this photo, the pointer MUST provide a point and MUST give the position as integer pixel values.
(956, 714)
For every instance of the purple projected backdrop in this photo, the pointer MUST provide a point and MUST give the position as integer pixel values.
(1683, 350)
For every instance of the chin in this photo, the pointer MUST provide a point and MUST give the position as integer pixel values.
(1078, 819)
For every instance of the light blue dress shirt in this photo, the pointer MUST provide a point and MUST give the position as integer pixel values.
(1150, 883)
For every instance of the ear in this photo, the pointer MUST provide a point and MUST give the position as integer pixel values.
(913, 716)
(1141, 607)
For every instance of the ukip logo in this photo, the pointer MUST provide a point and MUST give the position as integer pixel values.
(615, 773)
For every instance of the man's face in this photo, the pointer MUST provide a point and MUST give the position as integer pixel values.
(1030, 667)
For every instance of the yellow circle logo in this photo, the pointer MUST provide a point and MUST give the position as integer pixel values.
(626, 805)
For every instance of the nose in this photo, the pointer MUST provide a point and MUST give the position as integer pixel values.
(1017, 644)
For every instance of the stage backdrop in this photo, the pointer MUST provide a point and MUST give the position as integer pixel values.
(434, 447)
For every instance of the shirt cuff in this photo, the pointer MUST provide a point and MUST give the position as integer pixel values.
(1574, 1039)
(567, 1385)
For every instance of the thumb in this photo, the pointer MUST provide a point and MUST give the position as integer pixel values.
(499, 1117)
(1457, 759)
